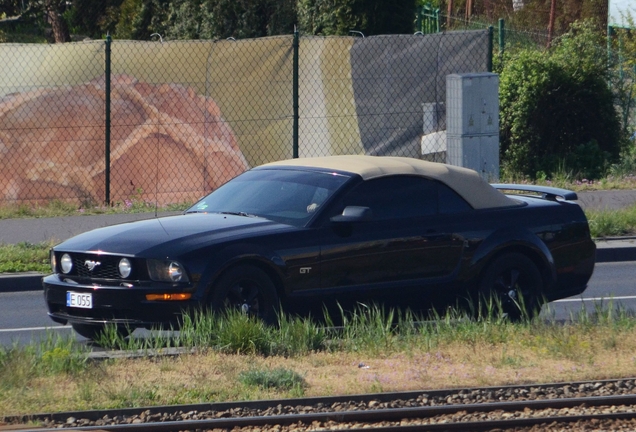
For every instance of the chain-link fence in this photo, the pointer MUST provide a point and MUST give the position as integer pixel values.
(168, 122)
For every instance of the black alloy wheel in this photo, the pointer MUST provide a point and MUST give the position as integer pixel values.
(510, 286)
(247, 289)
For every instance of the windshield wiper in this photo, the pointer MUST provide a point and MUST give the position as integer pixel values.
(233, 213)
(238, 213)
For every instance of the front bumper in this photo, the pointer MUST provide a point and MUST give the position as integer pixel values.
(114, 305)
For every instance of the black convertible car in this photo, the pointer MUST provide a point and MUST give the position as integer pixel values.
(305, 233)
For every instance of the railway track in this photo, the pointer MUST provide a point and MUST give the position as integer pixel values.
(601, 405)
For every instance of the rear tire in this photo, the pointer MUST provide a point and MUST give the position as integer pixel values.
(248, 289)
(93, 332)
(510, 286)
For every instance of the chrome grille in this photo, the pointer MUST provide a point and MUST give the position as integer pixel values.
(105, 267)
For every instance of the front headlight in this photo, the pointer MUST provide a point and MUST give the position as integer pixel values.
(175, 272)
(166, 271)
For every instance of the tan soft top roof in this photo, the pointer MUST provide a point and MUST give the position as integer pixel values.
(467, 183)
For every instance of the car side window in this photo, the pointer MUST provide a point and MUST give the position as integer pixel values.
(450, 202)
(401, 197)
(396, 197)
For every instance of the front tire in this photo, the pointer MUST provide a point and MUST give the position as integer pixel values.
(510, 286)
(248, 289)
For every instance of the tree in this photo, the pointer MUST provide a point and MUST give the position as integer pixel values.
(139, 19)
(371, 17)
(557, 111)
(93, 18)
(42, 12)
(211, 19)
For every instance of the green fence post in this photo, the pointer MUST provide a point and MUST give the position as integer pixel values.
(295, 94)
(502, 36)
(107, 120)
(437, 25)
(491, 31)
(418, 21)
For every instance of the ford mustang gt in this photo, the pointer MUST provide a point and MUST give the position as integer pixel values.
(301, 234)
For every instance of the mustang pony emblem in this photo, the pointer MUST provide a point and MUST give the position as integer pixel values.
(91, 264)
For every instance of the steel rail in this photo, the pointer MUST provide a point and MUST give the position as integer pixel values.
(325, 401)
(395, 414)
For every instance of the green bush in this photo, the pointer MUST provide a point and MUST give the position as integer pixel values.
(557, 109)
(279, 379)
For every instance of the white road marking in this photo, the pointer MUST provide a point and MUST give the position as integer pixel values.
(595, 299)
(34, 329)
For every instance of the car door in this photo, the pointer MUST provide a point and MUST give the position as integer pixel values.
(407, 241)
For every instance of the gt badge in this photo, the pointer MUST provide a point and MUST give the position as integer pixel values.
(305, 270)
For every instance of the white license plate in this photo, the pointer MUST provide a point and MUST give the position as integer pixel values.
(79, 300)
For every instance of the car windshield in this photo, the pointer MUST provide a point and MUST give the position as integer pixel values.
(282, 195)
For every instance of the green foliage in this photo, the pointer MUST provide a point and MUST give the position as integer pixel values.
(371, 17)
(557, 110)
(296, 336)
(22, 257)
(213, 19)
(369, 328)
(612, 223)
(627, 163)
(139, 19)
(93, 18)
(53, 355)
(238, 333)
(279, 379)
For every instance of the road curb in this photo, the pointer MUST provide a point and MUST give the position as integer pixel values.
(16, 282)
(615, 250)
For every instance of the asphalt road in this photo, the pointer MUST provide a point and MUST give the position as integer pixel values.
(23, 314)
(38, 230)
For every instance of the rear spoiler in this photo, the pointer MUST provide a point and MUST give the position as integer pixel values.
(547, 192)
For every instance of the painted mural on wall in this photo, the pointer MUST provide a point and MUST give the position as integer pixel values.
(165, 138)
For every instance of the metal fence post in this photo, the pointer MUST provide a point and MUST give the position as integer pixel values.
(107, 121)
(491, 31)
(295, 94)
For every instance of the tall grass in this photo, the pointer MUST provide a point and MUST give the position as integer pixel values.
(367, 328)
(612, 223)
(255, 352)
(53, 355)
(231, 332)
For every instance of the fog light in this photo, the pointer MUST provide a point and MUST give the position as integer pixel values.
(66, 263)
(124, 268)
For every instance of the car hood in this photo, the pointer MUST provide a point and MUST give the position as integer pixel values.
(173, 234)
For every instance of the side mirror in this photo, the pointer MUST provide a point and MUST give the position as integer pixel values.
(354, 214)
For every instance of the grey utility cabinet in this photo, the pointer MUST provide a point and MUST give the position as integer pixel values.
(472, 122)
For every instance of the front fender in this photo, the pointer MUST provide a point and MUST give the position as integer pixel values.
(517, 240)
(231, 255)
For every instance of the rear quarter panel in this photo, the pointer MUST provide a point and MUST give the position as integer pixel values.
(554, 234)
